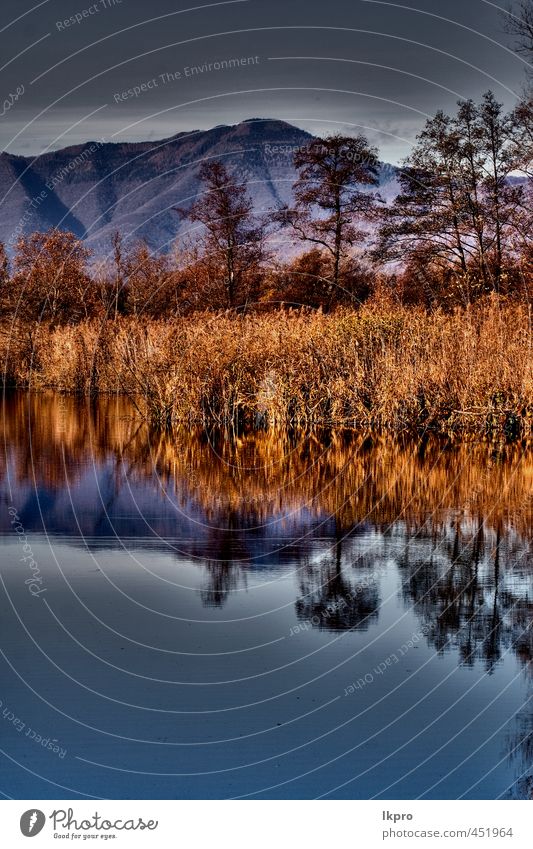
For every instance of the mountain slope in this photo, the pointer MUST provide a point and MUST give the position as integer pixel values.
(97, 188)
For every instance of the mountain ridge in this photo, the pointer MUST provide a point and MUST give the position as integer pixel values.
(98, 187)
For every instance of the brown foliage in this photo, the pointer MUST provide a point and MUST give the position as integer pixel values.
(306, 282)
(50, 280)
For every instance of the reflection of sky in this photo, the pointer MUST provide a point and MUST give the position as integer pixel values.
(377, 67)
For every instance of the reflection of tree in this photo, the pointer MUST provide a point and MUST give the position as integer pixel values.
(463, 593)
(331, 600)
(225, 567)
(222, 579)
(520, 747)
(521, 618)
(520, 740)
(472, 594)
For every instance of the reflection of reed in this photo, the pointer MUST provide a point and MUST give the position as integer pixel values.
(54, 435)
(245, 480)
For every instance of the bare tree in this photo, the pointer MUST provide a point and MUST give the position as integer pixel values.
(426, 219)
(231, 242)
(458, 207)
(330, 208)
(523, 135)
(119, 274)
(519, 22)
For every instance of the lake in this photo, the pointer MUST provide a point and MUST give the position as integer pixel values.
(260, 614)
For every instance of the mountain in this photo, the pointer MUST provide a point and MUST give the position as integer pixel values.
(99, 187)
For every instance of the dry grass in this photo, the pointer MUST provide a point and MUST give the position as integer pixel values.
(382, 366)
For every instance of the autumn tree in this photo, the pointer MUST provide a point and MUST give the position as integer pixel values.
(231, 243)
(331, 206)
(457, 209)
(152, 286)
(305, 281)
(50, 280)
(4, 278)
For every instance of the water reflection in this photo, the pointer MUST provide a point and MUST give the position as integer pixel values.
(333, 598)
(463, 593)
(242, 481)
(361, 523)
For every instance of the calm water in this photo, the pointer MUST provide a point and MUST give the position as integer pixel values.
(267, 616)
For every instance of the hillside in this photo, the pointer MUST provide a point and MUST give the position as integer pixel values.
(98, 187)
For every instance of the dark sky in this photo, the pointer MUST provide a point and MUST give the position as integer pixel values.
(350, 65)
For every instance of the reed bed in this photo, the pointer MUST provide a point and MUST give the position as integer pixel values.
(382, 366)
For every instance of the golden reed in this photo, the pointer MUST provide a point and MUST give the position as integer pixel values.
(383, 365)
